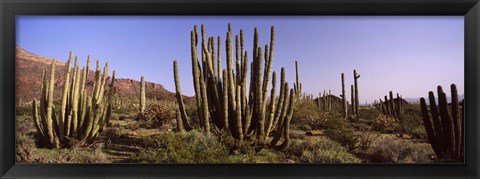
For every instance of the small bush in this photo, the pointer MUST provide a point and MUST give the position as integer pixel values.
(305, 112)
(304, 127)
(322, 150)
(26, 151)
(76, 155)
(189, 147)
(342, 132)
(24, 110)
(112, 133)
(158, 113)
(398, 151)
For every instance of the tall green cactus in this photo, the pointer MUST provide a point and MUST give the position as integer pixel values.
(298, 88)
(353, 100)
(344, 98)
(142, 95)
(183, 123)
(392, 107)
(223, 99)
(444, 128)
(81, 116)
(357, 103)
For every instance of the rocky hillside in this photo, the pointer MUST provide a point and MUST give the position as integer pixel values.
(28, 83)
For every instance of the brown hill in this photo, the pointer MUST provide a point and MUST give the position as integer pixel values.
(28, 83)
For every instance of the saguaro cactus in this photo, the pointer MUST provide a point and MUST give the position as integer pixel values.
(353, 100)
(223, 100)
(355, 78)
(298, 85)
(142, 95)
(344, 98)
(444, 128)
(81, 116)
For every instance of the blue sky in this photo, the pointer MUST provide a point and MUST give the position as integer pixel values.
(410, 55)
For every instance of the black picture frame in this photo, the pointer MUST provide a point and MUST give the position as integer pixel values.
(470, 9)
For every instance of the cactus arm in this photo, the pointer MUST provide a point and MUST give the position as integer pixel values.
(49, 108)
(36, 118)
(429, 127)
(196, 71)
(272, 105)
(447, 121)
(457, 123)
(66, 86)
(181, 105)
(225, 98)
(286, 130)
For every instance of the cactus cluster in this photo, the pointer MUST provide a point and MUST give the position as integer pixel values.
(444, 124)
(326, 101)
(391, 107)
(82, 115)
(222, 97)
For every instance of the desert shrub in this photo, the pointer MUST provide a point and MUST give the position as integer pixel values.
(384, 124)
(158, 113)
(361, 126)
(419, 132)
(24, 110)
(305, 112)
(342, 132)
(346, 137)
(263, 156)
(322, 150)
(368, 114)
(26, 151)
(304, 127)
(76, 155)
(298, 134)
(366, 139)
(399, 151)
(410, 123)
(24, 125)
(112, 133)
(189, 147)
(114, 116)
(133, 126)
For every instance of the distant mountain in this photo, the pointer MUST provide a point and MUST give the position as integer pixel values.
(417, 100)
(28, 83)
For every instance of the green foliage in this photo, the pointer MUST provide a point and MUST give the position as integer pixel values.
(409, 123)
(158, 113)
(322, 150)
(24, 110)
(27, 152)
(188, 147)
(306, 112)
(398, 151)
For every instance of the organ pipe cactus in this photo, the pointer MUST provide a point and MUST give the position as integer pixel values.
(82, 115)
(183, 123)
(223, 99)
(392, 107)
(444, 125)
